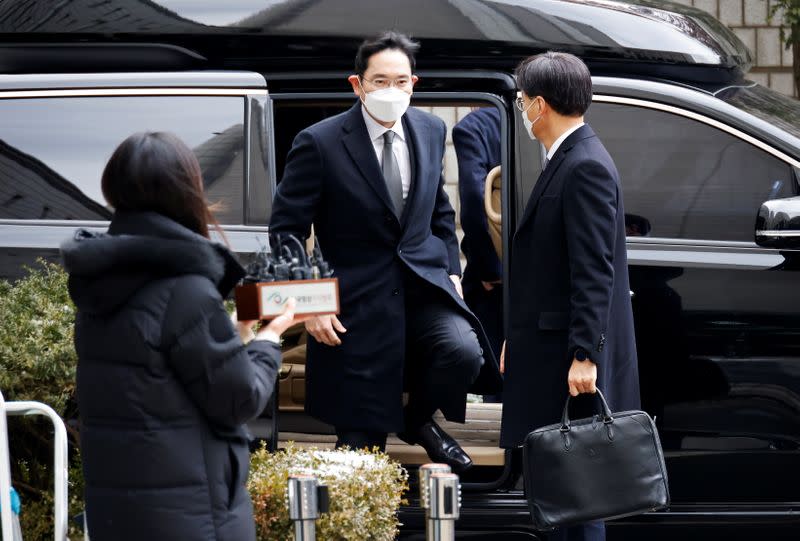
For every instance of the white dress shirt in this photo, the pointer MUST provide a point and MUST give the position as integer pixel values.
(554, 148)
(399, 147)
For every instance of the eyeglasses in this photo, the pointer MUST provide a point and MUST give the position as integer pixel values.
(403, 83)
(520, 103)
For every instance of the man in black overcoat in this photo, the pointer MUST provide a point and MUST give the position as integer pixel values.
(370, 180)
(571, 323)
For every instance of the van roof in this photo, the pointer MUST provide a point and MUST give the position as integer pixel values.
(298, 34)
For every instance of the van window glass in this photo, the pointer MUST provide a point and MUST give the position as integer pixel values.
(53, 150)
(684, 179)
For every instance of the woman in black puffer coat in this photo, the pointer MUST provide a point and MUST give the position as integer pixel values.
(165, 382)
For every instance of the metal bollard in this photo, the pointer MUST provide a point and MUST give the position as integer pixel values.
(443, 507)
(307, 499)
(425, 472)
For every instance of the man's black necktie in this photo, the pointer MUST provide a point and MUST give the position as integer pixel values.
(391, 174)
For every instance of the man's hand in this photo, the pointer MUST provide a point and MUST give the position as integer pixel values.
(322, 329)
(503, 358)
(582, 377)
(456, 279)
(488, 286)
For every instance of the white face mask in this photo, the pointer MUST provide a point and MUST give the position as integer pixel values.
(387, 104)
(528, 124)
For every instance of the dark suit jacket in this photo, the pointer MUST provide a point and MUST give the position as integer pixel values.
(333, 179)
(569, 289)
(476, 139)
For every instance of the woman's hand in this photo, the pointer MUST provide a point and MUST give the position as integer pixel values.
(275, 328)
(244, 328)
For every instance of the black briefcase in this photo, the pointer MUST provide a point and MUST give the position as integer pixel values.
(602, 467)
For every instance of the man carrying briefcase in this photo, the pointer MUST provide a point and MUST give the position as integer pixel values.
(571, 323)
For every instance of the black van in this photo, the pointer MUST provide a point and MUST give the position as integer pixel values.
(699, 148)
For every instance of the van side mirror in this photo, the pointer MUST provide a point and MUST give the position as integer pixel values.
(778, 224)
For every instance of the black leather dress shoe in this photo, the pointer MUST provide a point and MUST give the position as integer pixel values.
(440, 446)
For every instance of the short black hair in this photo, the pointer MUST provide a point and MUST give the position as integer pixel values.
(387, 40)
(562, 79)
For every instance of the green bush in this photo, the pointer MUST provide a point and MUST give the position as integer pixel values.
(38, 362)
(366, 490)
(37, 356)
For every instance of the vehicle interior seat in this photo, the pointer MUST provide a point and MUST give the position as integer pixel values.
(493, 206)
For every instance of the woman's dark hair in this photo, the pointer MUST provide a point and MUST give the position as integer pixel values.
(156, 171)
(562, 79)
(387, 40)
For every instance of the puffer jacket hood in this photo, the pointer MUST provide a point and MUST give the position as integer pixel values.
(106, 269)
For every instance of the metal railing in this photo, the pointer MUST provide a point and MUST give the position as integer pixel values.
(25, 408)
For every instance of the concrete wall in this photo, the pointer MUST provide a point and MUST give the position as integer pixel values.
(749, 19)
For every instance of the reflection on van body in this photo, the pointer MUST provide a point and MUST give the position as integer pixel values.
(29, 189)
(53, 151)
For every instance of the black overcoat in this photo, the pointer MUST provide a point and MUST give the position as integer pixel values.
(568, 289)
(477, 139)
(333, 180)
(165, 384)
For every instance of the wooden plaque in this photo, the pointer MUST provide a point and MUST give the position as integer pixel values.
(265, 300)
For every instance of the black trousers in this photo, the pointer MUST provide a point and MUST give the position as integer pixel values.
(443, 358)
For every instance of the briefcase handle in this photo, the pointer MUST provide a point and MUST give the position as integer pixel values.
(608, 418)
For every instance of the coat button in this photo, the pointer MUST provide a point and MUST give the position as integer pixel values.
(395, 292)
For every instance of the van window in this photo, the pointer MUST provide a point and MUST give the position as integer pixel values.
(684, 179)
(53, 150)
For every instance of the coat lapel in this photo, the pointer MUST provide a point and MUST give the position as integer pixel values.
(358, 145)
(418, 154)
(547, 175)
